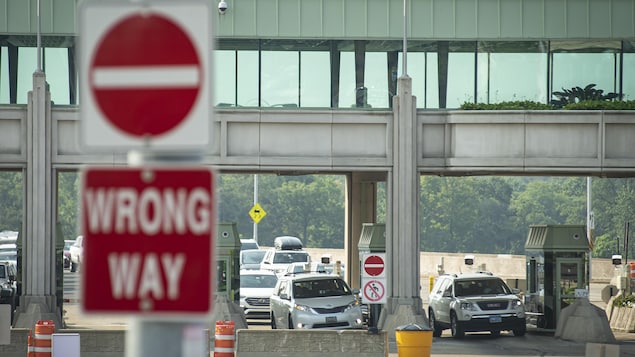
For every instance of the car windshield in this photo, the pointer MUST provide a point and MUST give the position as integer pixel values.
(258, 281)
(67, 245)
(320, 288)
(252, 256)
(480, 287)
(291, 257)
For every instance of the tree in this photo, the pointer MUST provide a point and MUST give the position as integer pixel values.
(11, 206)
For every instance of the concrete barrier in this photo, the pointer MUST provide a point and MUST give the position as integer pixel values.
(93, 343)
(310, 343)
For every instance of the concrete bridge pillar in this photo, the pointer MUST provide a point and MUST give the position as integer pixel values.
(402, 223)
(38, 300)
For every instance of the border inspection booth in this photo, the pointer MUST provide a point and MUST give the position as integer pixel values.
(228, 261)
(372, 240)
(557, 258)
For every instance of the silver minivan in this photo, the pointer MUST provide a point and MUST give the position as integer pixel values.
(314, 301)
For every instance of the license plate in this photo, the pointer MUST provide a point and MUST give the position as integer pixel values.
(331, 319)
(495, 319)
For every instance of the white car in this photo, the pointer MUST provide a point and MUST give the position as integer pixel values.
(314, 301)
(287, 250)
(256, 287)
(475, 302)
(76, 252)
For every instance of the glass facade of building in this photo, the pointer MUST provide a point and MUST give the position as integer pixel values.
(362, 74)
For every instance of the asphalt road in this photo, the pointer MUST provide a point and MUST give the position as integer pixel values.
(474, 344)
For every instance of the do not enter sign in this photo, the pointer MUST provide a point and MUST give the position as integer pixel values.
(148, 83)
(145, 74)
(374, 265)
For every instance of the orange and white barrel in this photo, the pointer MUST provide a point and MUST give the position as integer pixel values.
(30, 349)
(224, 338)
(632, 265)
(43, 337)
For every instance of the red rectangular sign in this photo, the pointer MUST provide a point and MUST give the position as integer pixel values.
(148, 240)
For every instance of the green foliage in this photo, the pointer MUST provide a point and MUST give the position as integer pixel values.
(11, 201)
(602, 105)
(624, 301)
(512, 105)
(577, 94)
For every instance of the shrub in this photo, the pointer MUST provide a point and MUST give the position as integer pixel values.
(512, 105)
(624, 301)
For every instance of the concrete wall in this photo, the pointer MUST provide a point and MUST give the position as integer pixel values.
(93, 343)
(311, 343)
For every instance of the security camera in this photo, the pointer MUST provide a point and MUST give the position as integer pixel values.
(616, 259)
(222, 7)
(469, 259)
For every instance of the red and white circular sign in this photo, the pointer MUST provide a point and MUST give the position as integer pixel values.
(374, 265)
(145, 74)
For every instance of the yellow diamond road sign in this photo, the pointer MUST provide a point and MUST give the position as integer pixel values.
(257, 213)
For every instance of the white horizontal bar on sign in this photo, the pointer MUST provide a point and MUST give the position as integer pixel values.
(148, 76)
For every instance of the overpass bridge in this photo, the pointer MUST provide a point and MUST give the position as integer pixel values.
(368, 146)
(301, 141)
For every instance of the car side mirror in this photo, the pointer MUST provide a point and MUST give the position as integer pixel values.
(515, 291)
(11, 278)
(356, 291)
(284, 296)
(447, 293)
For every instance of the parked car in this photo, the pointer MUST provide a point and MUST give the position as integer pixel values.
(287, 250)
(256, 287)
(8, 285)
(475, 302)
(314, 301)
(76, 252)
(251, 258)
(67, 252)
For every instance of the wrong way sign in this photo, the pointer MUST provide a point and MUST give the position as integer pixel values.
(145, 74)
(148, 240)
(373, 265)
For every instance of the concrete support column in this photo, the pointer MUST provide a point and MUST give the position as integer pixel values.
(402, 222)
(38, 301)
(361, 207)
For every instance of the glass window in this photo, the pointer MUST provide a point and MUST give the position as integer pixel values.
(27, 64)
(224, 78)
(248, 79)
(4, 75)
(280, 78)
(56, 68)
(376, 79)
(347, 80)
(578, 64)
(628, 82)
(315, 79)
(512, 71)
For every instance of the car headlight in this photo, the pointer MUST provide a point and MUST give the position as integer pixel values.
(303, 308)
(466, 305)
(517, 305)
(353, 304)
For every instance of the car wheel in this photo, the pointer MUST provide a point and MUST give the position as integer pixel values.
(290, 323)
(457, 330)
(73, 267)
(436, 329)
(520, 331)
(273, 322)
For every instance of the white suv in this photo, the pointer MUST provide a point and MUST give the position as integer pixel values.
(475, 302)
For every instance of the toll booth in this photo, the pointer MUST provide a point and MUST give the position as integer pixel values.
(372, 240)
(228, 261)
(557, 271)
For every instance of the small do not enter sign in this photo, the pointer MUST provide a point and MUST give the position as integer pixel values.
(374, 265)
